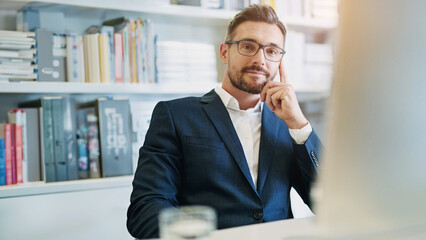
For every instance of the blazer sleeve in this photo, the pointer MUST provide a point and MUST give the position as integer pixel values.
(157, 177)
(305, 168)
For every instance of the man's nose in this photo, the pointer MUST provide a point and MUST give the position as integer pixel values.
(259, 58)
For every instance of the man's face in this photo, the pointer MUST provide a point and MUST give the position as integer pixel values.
(250, 74)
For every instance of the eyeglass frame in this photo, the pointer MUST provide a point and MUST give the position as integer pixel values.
(260, 46)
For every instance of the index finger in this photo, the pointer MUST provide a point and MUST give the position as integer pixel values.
(283, 74)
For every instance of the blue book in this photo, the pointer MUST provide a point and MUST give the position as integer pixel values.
(2, 163)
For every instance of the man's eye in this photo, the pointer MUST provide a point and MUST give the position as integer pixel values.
(272, 51)
(247, 47)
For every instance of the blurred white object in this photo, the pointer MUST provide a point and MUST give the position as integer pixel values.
(373, 176)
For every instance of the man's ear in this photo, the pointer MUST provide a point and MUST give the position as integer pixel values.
(224, 52)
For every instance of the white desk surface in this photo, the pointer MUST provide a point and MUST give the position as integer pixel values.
(279, 230)
(309, 229)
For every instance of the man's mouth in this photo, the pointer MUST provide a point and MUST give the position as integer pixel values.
(255, 72)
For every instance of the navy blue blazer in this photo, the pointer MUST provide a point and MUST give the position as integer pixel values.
(192, 155)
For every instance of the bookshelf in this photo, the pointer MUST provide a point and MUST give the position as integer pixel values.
(101, 88)
(41, 188)
(182, 23)
(161, 8)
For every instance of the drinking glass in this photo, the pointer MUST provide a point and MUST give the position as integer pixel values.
(187, 222)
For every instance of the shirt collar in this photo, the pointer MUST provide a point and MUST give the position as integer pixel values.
(230, 102)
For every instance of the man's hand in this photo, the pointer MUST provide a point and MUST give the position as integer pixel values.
(281, 98)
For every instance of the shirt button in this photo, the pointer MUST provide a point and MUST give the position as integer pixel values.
(258, 215)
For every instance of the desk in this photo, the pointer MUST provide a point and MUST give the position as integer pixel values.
(309, 229)
(278, 230)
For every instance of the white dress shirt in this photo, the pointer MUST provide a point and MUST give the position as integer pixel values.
(247, 124)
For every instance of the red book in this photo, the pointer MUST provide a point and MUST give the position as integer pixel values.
(118, 48)
(13, 153)
(8, 151)
(18, 153)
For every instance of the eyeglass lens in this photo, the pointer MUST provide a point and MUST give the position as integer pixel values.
(249, 48)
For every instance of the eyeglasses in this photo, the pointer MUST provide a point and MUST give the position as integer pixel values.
(250, 48)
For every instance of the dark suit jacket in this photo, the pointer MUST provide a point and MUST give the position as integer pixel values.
(192, 155)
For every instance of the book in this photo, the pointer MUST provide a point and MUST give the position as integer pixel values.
(13, 153)
(93, 143)
(31, 133)
(70, 147)
(18, 116)
(60, 158)
(115, 135)
(118, 54)
(82, 151)
(91, 56)
(18, 152)
(51, 53)
(115, 130)
(48, 144)
(122, 26)
(104, 59)
(2, 159)
(109, 31)
(73, 73)
(17, 34)
(6, 134)
(81, 59)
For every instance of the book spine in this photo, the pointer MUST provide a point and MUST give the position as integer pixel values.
(8, 152)
(81, 59)
(47, 141)
(115, 137)
(109, 31)
(18, 153)
(18, 116)
(93, 144)
(58, 140)
(72, 59)
(118, 43)
(83, 158)
(2, 161)
(31, 135)
(104, 56)
(13, 153)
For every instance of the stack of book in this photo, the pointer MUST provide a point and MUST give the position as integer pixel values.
(186, 62)
(119, 51)
(49, 139)
(19, 148)
(17, 56)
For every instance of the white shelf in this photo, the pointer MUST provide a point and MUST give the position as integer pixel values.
(165, 9)
(76, 88)
(41, 188)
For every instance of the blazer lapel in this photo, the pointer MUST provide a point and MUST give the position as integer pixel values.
(268, 138)
(219, 117)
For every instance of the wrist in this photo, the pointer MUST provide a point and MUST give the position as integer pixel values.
(297, 124)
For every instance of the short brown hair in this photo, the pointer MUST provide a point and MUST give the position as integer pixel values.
(255, 13)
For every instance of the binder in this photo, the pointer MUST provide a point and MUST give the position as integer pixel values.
(51, 53)
(60, 159)
(50, 146)
(115, 130)
(115, 135)
(32, 130)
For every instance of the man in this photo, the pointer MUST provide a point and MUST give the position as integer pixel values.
(227, 149)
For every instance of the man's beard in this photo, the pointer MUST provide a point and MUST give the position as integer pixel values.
(239, 83)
